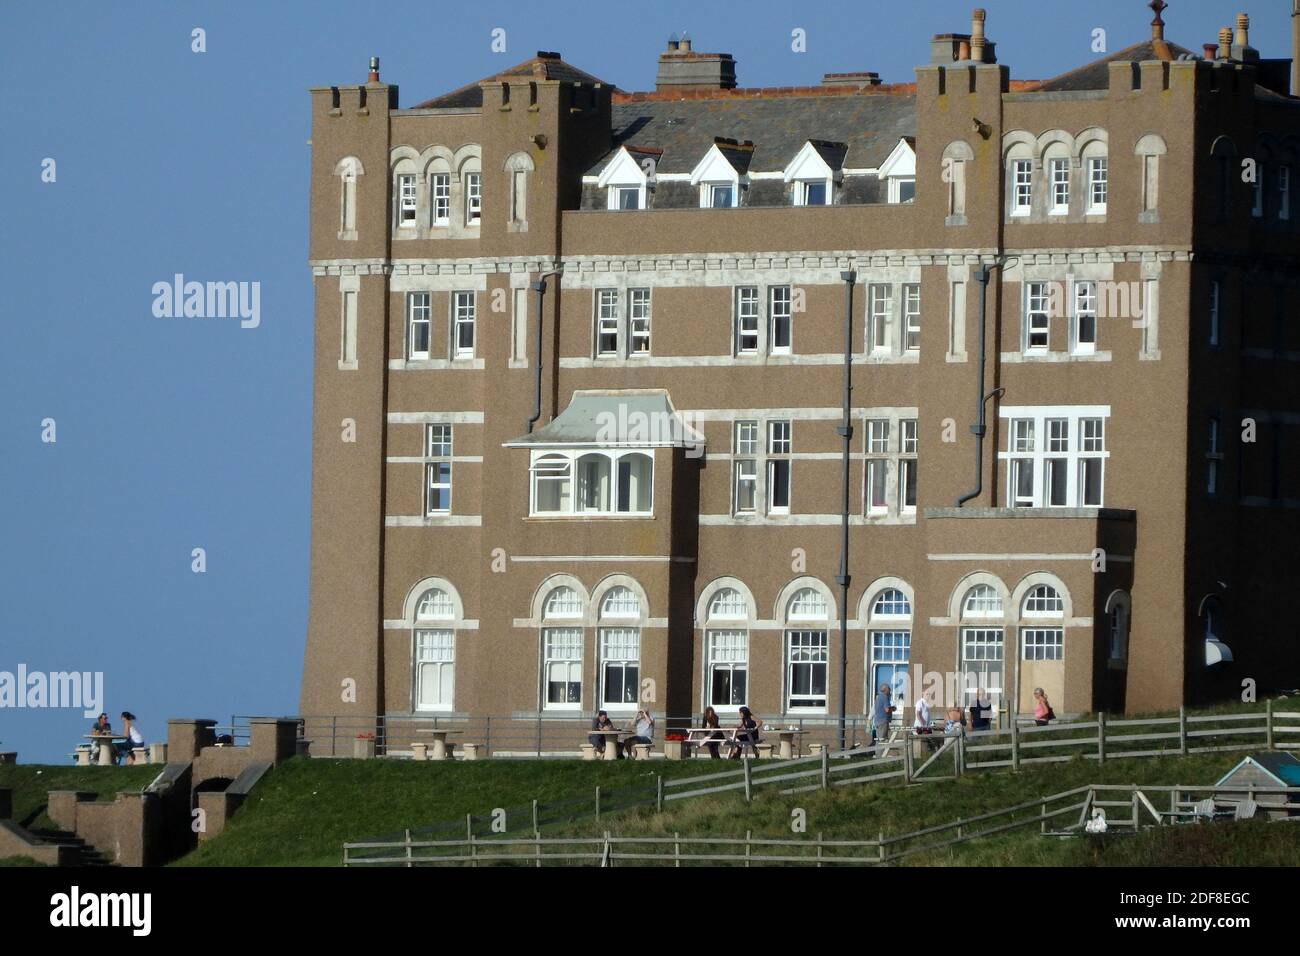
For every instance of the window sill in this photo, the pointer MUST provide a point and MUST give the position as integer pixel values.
(1030, 357)
(418, 365)
(347, 366)
(592, 516)
(954, 221)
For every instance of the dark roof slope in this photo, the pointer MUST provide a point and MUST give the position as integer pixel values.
(544, 66)
(1096, 75)
(864, 127)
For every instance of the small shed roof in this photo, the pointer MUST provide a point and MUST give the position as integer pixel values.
(1282, 767)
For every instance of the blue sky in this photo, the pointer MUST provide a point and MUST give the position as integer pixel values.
(175, 434)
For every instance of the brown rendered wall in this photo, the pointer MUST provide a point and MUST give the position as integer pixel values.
(363, 572)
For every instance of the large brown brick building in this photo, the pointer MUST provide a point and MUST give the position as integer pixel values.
(580, 360)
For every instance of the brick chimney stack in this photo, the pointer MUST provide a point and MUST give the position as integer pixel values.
(977, 34)
(1157, 22)
(681, 68)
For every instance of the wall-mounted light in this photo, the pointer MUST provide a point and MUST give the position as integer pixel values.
(539, 140)
(983, 129)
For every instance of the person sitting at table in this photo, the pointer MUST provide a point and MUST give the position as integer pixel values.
(602, 722)
(101, 727)
(645, 732)
(981, 711)
(133, 739)
(710, 719)
(746, 734)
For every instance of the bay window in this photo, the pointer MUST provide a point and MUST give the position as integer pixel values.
(608, 483)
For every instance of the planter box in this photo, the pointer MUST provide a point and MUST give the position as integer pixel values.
(363, 748)
(676, 749)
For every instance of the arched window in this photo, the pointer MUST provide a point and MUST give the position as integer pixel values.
(348, 169)
(440, 193)
(1043, 600)
(1019, 151)
(982, 646)
(1093, 155)
(982, 600)
(1149, 149)
(889, 645)
(433, 643)
(518, 166)
(807, 651)
(727, 603)
(620, 648)
(1117, 626)
(1056, 163)
(726, 637)
(471, 177)
(955, 157)
(891, 602)
(594, 483)
(562, 639)
(406, 189)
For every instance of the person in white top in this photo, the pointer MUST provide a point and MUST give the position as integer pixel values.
(133, 737)
(922, 722)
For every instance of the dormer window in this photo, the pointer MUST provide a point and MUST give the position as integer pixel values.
(719, 195)
(811, 193)
(812, 173)
(898, 171)
(624, 181)
(624, 197)
(720, 174)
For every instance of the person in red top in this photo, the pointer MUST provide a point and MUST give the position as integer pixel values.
(1042, 708)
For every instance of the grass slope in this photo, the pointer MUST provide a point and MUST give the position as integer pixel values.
(31, 784)
(303, 812)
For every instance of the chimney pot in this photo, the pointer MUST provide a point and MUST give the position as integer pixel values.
(977, 35)
(1211, 50)
(1225, 44)
(374, 70)
(1243, 28)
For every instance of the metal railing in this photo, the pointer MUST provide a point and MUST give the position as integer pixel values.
(899, 760)
(1074, 805)
(529, 735)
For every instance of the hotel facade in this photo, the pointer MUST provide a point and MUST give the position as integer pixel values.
(579, 436)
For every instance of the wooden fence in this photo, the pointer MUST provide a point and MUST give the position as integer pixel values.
(1074, 807)
(1099, 738)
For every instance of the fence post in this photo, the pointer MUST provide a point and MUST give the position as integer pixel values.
(677, 849)
(880, 848)
(1042, 815)
(1182, 731)
(959, 756)
(334, 733)
(826, 768)
(748, 833)
(535, 828)
(539, 735)
(1134, 791)
(598, 802)
(473, 854)
(659, 793)
(748, 785)
(1268, 722)
(1101, 736)
(1015, 746)
(487, 738)
(537, 837)
(408, 849)
(819, 849)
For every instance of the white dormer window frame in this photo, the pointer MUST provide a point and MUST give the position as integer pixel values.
(717, 179)
(808, 172)
(898, 171)
(621, 178)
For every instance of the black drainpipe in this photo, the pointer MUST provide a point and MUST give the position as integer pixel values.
(540, 288)
(845, 431)
(981, 398)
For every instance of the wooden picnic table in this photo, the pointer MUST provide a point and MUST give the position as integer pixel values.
(440, 736)
(104, 744)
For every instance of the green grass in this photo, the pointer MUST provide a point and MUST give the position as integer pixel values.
(31, 784)
(303, 812)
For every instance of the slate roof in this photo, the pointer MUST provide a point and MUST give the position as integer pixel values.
(611, 418)
(864, 126)
(544, 66)
(1283, 766)
(1096, 75)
